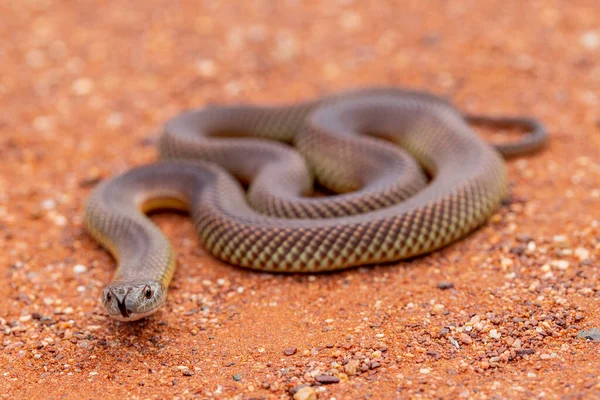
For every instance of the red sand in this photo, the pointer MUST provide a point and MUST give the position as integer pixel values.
(85, 87)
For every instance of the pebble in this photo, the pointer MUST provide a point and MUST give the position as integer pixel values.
(290, 351)
(466, 339)
(43, 123)
(590, 40)
(286, 47)
(25, 318)
(454, 342)
(206, 68)
(560, 264)
(582, 254)
(48, 204)
(523, 352)
(79, 268)
(82, 86)
(495, 334)
(35, 58)
(524, 238)
(114, 120)
(327, 379)
(237, 377)
(350, 20)
(445, 285)
(589, 334)
(351, 367)
(305, 393)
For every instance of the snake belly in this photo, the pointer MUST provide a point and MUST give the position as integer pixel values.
(411, 176)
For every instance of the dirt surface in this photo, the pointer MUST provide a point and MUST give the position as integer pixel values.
(84, 88)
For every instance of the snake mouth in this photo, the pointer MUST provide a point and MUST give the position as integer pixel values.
(133, 316)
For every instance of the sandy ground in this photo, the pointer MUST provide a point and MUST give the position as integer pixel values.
(84, 88)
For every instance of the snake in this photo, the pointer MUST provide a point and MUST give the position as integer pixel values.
(399, 172)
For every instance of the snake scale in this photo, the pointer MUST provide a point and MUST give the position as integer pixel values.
(408, 172)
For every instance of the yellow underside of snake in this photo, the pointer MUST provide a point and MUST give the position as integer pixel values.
(408, 174)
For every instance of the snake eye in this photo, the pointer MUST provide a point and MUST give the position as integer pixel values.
(109, 296)
(148, 292)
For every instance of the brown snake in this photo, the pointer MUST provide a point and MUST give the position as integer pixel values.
(410, 173)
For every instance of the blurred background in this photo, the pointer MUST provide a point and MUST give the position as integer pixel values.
(126, 66)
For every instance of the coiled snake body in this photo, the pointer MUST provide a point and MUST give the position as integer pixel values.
(433, 184)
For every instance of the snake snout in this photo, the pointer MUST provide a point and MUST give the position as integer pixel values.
(133, 300)
(125, 307)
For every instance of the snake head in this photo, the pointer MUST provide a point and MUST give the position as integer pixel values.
(133, 300)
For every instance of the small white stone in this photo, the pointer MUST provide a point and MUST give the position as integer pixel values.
(35, 58)
(60, 220)
(48, 204)
(257, 33)
(560, 264)
(114, 120)
(81, 288)
(206, 68)
(233, 88)
(286, 47)
(79, 268)
(82, 86)
(305, 393)
(582, 253)
(590, 40)
(560, 238)
(506, 262)
(93, 373)
(43, 124)
(495, 334)
(545, 267)
(350, 20)
(425, 370)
